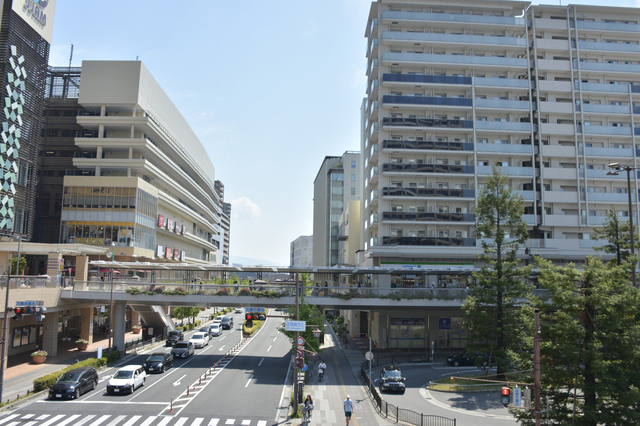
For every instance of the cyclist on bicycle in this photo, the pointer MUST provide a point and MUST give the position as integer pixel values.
(321, 367)
(307, 407)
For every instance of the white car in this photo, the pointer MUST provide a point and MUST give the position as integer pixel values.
(127, 379)
(218, 319)
(215, 330)
(238, 310)
(200, 340)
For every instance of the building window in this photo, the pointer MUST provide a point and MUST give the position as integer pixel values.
(353, 164)
(353, 178)
(353, 191)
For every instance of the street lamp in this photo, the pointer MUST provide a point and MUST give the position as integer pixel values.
(113, 249)
(617, 167)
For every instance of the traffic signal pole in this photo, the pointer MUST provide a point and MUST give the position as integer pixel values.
(536, 367)
(295, 353)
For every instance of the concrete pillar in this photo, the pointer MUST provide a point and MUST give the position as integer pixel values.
(135, 318)
(53, 266)
(50, 333)
(86, 324)
(119, 312)
(82, 272)
(4, 261)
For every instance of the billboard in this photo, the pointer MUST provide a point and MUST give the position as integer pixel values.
(38, 14)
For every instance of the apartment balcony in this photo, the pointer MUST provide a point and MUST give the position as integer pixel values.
(433, 39)
(607, 26)
(502, 104)
(373, 198)
(501, 82)
(555, 86)
(550, 24)
(427, 168)
(605, 130)
(530, 219)
(373, 111)
(604, 109)
(560, 220)
(426, 145)
(422, 17)
(607, 67)
(372, 27)
(602, 174)
(372, 71)
(373, 132)
(429, 241)
(504, 148)
(426, 100)
(526, 195)
(428, 122)
(547, 44)
(560, 173)
(504, 126)
(426, 79)
(373, 157)
(559, 151)
(465, 60)
(597, 220)
(609, 47)
(557, 129)
(446, 193)
(373, 48)
(607, 152)
(553, 65)
(508, 171)
(373, 176)
(603, 87)
(569, 197)
(372, 91)
(607, 197)
(556, 107)
(400, 217)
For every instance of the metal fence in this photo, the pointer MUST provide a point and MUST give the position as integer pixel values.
(401, 414)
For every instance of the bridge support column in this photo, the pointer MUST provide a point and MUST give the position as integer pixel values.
(86, 324)
(50, 333)
(53, 268)
(119, 325)
(82, 273)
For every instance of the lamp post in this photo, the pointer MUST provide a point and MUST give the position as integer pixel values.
(617, 167)
(6, 319)
(113, 259)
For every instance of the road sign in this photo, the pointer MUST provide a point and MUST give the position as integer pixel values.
(295, 325)
(368, 356)
(299, 354)
(262, 310)
(300, 341)
(305, 367)
(517, 397)
(30, 303)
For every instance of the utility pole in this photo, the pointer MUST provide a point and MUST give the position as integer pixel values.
(536, 366)
(295, 354)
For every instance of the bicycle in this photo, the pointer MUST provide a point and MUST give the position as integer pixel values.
(320, 374)
(306, 413)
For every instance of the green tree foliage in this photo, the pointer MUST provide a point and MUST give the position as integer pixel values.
(590, 345)
(23, 265)
(183, 312)
(616, 234)
(312, 315)
(500, 299)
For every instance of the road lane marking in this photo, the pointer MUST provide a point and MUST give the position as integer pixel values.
(104, 378)
(230, 421)
(164, 421)
(260, 363)
(119, 402)
(177, 382)
(117, 420)
(284, 387)
(101, 420)
(274, 339)
(197, 421)
(213, 422)
(262, 423)
(53, 420)
(85, 420)
(221, 338)
(133, 420)
(181, 421)
(8, 418)
(27, 416)
(221, 348)
(149, 421)
(249, 381)
(269, 349)
(246, 422)
(70, 419)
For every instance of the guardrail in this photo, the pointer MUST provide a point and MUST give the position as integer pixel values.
(401, 414)
(29, 281)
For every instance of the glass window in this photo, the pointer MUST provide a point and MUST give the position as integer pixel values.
(353, 178)
(353, 164)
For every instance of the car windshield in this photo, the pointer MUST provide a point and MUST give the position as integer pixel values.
(214, 327)
(155, 358)
(392, 374)
(68, 377)
(182, 345)
(123, 374)
(174, 333)
(197, 336)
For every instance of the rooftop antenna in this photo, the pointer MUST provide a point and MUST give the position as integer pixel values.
(70, 58)
(136, 57)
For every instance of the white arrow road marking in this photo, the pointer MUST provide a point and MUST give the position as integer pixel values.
(177, 382)
(221, 348)
(249, 381)
(104, 378)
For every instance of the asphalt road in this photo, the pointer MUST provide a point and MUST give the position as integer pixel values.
(241, 391)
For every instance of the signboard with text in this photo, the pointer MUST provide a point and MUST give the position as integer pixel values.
(295, 325)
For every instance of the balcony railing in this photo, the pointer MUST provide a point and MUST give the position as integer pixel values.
(427, 122)
(451, 17)
(427, 168)
(429, 217)
(426, 100)
(87, 134)
(414, 78)
(395, 191)
(606, 26)
(429, 241)
(467, 60)
(431, 145)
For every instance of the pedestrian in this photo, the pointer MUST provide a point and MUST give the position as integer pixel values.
(308, 405)
(348, 407)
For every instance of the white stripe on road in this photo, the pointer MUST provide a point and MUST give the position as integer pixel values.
(181, 421)
(132, 421)
(117, 420)
(262, 423)
(230, 421)
(27, 416)
(149, 421)
(213, 422)
(70, 419)
(221, 348)
(246, 422)
(85, 420)
(197, 421)
(269, 349)
(249, 381)
(100, 420)
(53, 420)
(8, 418)
(260, 363)
(165, 421)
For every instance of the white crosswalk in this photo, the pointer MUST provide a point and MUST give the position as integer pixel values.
(119, 420)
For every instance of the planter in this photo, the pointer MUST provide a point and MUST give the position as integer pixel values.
(39, 359)
(136, 330)
(82, 346)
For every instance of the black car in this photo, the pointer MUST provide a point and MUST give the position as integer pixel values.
(73, 383)
(174, 337)
(182, 350)
(158, 362)
(465, 358)
(391, 380)
(227, 323)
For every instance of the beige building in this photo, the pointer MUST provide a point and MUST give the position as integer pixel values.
(548, 93)
(349, 233)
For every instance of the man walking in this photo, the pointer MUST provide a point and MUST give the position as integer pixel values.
(348, 407)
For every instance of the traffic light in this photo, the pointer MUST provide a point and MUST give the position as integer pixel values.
(249, 320)
(39, 314)
(17, 314)
(299, 362)
(505, 398)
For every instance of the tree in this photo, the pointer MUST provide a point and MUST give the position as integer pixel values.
(499, 305)
(183, 312)
(21, 268)
(312, 315)
(590, 345)
(616, 234)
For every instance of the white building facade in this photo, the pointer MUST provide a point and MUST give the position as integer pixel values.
(301, 251)
(547, 93)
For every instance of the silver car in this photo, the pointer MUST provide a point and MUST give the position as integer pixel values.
(182, 350)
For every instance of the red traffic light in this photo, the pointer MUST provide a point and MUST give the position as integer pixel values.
(506, 391)
(17, 310)
(505, 397)
(248, 317)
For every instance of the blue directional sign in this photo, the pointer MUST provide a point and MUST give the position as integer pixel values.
(251, 310)
(295, 326)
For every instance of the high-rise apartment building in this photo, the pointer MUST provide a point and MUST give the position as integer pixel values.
(301, 251)
(225, 221)
(549, 94)
(338, 181)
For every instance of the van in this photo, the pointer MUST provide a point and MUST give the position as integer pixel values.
(227, 323)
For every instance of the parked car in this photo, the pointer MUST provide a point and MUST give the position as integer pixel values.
(199, 340)
(227, 323)
(182, 350)
(391, 380)
(215, 330)
(174, 337)
(158, 362)
(127, 379)
(238, 310)
(465, 358)
(74, 383)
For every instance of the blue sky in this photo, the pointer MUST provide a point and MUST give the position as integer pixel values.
(270, 88)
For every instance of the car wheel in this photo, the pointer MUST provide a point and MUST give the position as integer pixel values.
(76, 394)
(94, 385)
(456, 363)
(162, 371)
(133, 388)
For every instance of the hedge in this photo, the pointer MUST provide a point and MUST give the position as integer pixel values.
(45, 382)
(249, 331)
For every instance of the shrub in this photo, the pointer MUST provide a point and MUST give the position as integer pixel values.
(82, 341)
(45, 382)
(40, 353)
(159, 289)
(201, 292)
(244, 292)
(256, 325)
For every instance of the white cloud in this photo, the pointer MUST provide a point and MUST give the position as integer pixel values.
(245, 208)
